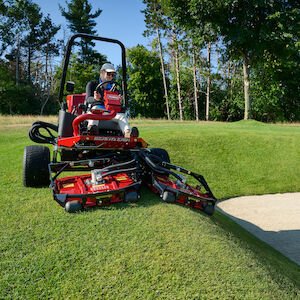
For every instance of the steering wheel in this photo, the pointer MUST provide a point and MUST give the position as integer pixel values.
(99, 86)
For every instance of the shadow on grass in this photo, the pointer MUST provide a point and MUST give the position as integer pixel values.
(285, 241)
(277, 263)
(147, 199)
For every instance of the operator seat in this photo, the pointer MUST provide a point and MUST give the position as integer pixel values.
(90, 88)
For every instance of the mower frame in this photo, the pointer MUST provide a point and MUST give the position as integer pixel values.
(115, 167)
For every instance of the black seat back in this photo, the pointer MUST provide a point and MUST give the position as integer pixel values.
(90, 88)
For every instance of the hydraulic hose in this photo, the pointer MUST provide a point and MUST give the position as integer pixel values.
(37, 137)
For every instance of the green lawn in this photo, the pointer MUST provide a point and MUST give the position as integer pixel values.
(151, 250)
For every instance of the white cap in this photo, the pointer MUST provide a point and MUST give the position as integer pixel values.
(108, 67)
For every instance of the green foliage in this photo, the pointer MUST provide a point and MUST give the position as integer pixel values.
(155, 18)
(48, 30)
(27, 41)
(226, 107)
(264, 33)
(23, 98)
(25, 32)
(81, 19)
(19, 99)
(84, 64)
(227, 98)
(79, 73)
(145, 86)
(266, 101)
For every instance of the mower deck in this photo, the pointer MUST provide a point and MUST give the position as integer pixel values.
(82, 189)
(110, 181)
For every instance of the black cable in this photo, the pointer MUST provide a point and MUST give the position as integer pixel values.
(37, 137)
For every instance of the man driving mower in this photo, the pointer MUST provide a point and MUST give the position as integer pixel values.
(106, 82)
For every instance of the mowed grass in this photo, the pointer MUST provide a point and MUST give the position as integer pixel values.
(151, 250)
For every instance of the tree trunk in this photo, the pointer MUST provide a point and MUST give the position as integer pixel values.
(29, 65)
(46, 87)
(10, 108)
(246, 71)
(195, 86)
(18, 61)
(176, 57)
(231, 75)
(208, 82)
(163, 73)
(46, 64)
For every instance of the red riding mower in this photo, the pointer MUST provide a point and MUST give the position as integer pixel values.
(107, 167)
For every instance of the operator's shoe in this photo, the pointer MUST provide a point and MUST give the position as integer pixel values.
(93, 130)
(134, 132)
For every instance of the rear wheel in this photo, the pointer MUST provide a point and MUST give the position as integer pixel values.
(35, 166)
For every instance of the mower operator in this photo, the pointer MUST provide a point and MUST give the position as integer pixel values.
(107, 73)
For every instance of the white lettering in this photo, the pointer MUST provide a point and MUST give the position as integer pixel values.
(110, 139)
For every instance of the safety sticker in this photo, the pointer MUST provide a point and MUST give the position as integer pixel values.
(68, 185)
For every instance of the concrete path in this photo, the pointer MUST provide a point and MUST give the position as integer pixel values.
(274, 219)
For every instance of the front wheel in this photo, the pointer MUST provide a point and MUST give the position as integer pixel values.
(131, 197)
(168, 197)
(73, 206)
(209, 209)
(162, 154)
(35, 166)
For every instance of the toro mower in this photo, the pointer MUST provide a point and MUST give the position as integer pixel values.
(106, 167)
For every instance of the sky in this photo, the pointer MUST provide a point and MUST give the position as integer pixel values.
(120, 19)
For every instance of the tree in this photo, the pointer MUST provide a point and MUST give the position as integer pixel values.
(19, 28)
(175, 49)
(25, 30)
(245, 26)
(84, 64)
(27, 42)
(31, 40)
(227, 99)
(49, 47)
(281, 61)
(194, 42)
(81, 19)
(154, 23)
(20, 99)
(145, 87)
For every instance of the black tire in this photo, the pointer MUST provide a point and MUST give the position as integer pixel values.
(168, 197)
(209, 209)
(35, 166)
(134, 132)
(131, 197)
(161, 153)
(73, 206)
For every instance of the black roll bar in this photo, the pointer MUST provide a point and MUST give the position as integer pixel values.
(97, 38)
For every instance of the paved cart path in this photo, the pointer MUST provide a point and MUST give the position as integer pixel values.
(274, 219)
